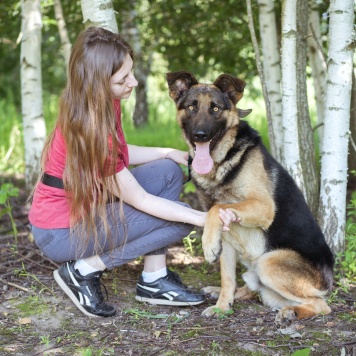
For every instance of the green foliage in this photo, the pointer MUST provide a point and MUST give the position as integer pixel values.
(189, 242)
(87, 352)
(216, 37)
(223, 314)
(347, 258)
(7, 191)
(45, 340)
(137, 314)
(37, 286)
(11, 142)
(32, 305)
(302, 352)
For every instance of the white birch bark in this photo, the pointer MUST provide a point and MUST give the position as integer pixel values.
(142, 65)
(31, 88)
(62, 30)
(99, 13)
(332, 211)
(317, 64)
(272, 70)
(289, 93)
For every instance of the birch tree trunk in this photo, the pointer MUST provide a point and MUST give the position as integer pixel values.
(99, 13)
(289, 92)
(318, 65)
(272, 70)
(306, 133)
(352, 144)
(142, 68)
(62, 30)
(31, 88)
(332, 211)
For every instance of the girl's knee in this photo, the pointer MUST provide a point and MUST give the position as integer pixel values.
(173, 170)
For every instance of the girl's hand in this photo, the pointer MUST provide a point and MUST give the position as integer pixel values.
(227, 217)
(180, 157)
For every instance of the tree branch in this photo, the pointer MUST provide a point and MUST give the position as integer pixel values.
(318, 44)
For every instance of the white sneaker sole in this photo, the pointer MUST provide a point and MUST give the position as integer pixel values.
(166, 302)
(70, 294)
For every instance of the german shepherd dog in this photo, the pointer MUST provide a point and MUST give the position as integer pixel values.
(277, 239)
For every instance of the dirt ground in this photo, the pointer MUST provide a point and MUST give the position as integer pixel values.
(36, 318)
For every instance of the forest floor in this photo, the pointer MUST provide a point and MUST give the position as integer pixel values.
(36, 318)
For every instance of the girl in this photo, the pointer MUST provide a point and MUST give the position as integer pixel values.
(90, 212)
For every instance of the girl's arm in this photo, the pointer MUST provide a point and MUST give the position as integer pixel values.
(140, 155)
(133, 194)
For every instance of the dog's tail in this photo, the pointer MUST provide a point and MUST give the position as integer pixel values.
(328, 277)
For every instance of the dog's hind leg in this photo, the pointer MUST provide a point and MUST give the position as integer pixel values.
(292, 284)
(309, 308)
(212, 292)
(228, 281)
(245, 293)
(242, 293)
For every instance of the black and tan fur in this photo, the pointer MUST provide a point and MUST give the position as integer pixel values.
(279, 242)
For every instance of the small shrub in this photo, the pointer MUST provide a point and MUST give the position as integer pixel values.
(7, 191)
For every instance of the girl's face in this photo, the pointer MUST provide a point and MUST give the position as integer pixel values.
(123, 81)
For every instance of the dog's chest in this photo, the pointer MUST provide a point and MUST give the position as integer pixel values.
(210, 192)
(249, 243)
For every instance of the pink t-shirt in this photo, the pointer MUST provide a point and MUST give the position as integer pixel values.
(50, 206)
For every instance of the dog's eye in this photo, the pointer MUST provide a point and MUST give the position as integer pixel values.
(216, 108)
(191, 107)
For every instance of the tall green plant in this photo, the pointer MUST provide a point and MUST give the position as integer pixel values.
(347, 258)
(11, 143)
(7, 191)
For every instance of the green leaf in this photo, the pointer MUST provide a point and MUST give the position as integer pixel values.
(4, 211)
(3, 197)
(302, 352)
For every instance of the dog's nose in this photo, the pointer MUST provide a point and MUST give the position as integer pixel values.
(200, 136)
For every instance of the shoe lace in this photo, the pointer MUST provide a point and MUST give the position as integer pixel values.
(174, 277)
(96, 285)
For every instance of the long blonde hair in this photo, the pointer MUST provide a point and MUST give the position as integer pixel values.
(87, 120)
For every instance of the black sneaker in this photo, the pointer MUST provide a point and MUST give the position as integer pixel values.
(168, 290)
(84, 291)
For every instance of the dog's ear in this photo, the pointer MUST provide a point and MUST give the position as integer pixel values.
(243, 113)
(232, 86)
(179, 83)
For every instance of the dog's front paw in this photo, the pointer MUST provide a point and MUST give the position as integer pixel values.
(286, 316)
(212, 292)
(208, 312)
(212, 247)
(213, 254)
(217, 312)
(244, 293)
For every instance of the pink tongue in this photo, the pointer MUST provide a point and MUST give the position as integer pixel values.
(202, 162)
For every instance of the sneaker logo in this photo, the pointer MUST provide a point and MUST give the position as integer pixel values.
(83, 299)
(169, 295)
(89, 292)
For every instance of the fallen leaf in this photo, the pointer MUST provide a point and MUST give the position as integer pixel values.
(25, 321)
(157, 334)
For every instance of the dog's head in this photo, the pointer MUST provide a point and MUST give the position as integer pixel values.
(205, 112)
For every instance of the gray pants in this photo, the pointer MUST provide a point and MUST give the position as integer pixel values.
(143, 234)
